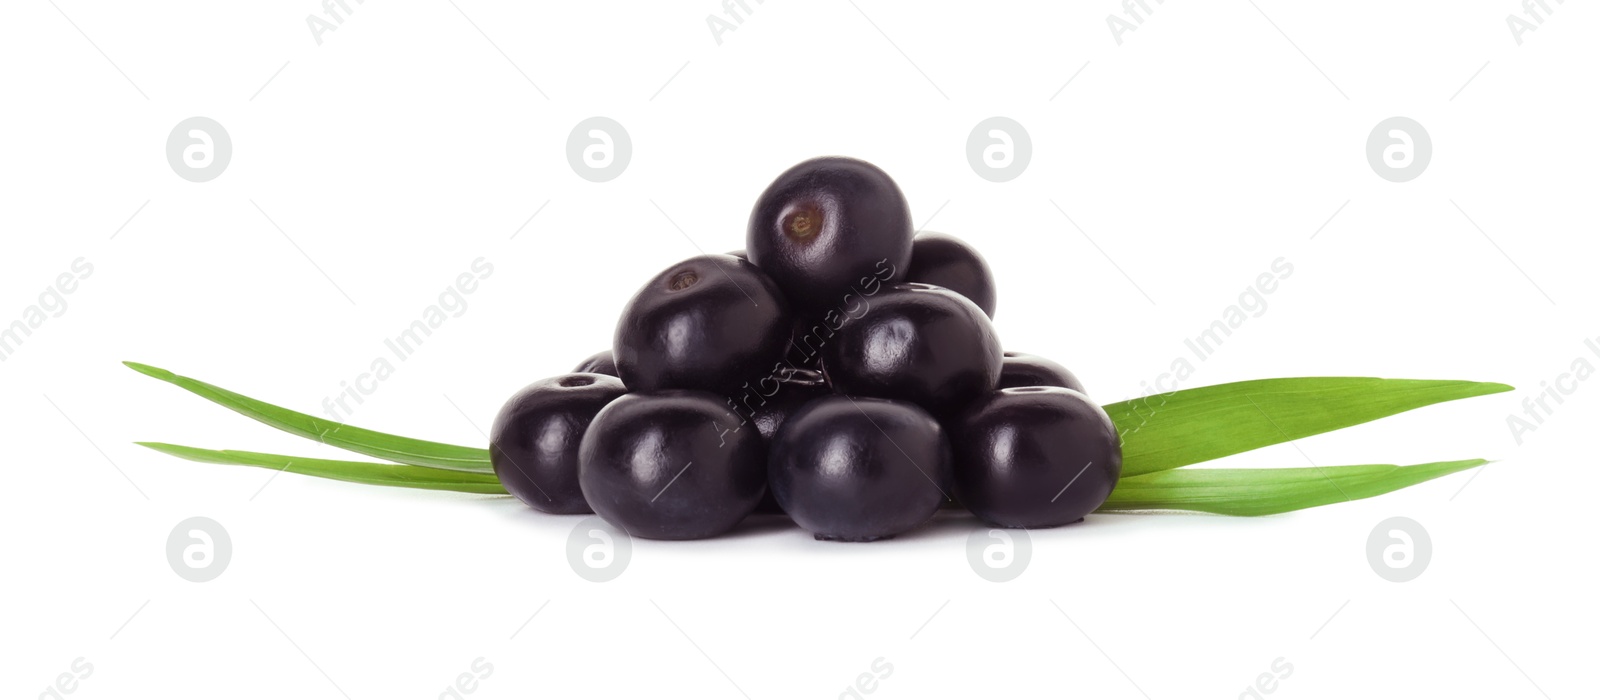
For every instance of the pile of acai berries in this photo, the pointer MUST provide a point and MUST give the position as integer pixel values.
(840, 370)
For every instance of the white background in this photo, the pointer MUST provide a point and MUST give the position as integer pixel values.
(409, 143)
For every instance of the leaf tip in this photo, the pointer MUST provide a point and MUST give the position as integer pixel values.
(144, 369)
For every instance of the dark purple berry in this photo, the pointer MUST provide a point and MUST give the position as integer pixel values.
(827, 226)
(534, 443)
(1035, 457)
(917, 343)
(671, 465)
(599, 363)
(1021, 369)
(711, 323)
(859, 469)
(946, 261)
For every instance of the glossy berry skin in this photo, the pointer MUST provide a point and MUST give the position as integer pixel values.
(827, 226)
(1035, 457)
(1021, 369)
(917, 343)
(602, 362)
(859, 470)
(712, 323)
(670, 466)
(534, 442)
(946, 261)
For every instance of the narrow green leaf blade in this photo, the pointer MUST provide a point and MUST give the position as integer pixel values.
(1196, 425)
(1269, 491)
(374, 473)
(368, 442)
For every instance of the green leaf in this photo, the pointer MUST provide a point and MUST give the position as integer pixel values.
(420, 453)
(1160, 433)
(1196, 425)
(1247, 492)
(356, 472)
(1269, 491)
